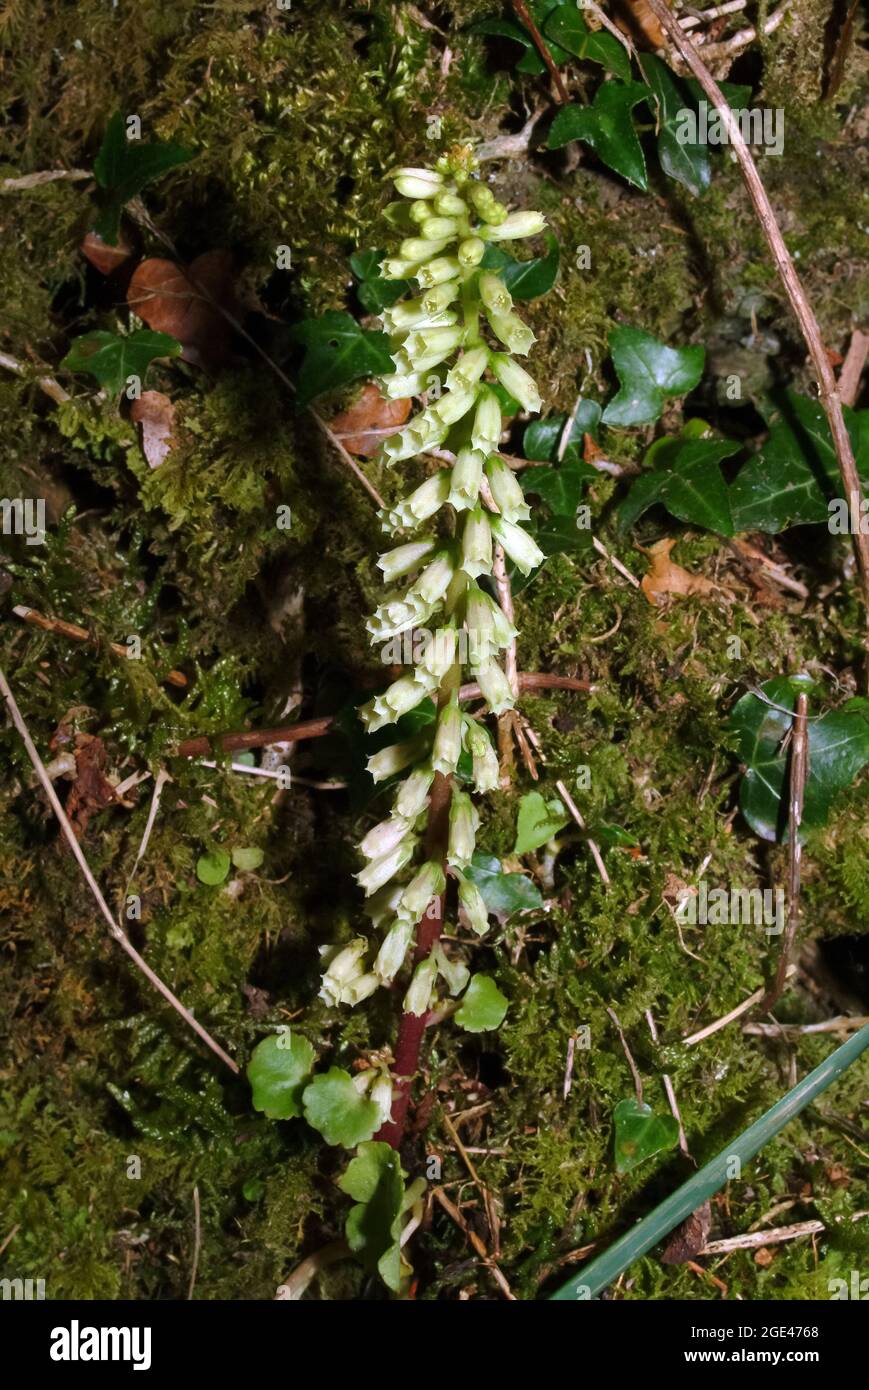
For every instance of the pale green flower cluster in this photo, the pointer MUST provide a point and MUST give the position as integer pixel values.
(450, 342)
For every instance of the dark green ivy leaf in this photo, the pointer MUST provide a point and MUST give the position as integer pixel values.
(337, 351)
(686, 480)
(504, 894)
(838, 750)
(560, 488)
(567, 28)
(123, 167)
(607, 127)
(687, 163)
(113, 357)
(525, 279)
(791, 479)
(648, 373)
(542, 437)
(374, 290)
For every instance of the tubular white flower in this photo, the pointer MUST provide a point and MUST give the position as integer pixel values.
(384, 837)
(486, 431)
(508, 495)
(380, 871)
(396, 268)
(420, 505)
(399, 386)
(435, 578)
(417, 183)
(395, 563)
(517, 224)
(418, 997)
(396, 614)
(448, 737)
(412, 796)
(496, 298)
(395, 758)
(381, 1095)
(472, 904)
(523, 551)
(517, 381)
(437, 271)
(489, 630)
(417, 249)
(438, 656)
(468, 369)
(465, 481)
(485, 762)
(494, 685)
(428, 883)
(477, 543)
(454, 405)
(393, 950)
(400, 697)
(513, 333)
(412, 313)
(359, 989)
(343, 968)
(464, 823)
(471, 251)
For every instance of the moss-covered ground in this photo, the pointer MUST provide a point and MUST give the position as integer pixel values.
(294, 116)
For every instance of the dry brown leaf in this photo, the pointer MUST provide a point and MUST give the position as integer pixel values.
(154, 413)
(164, 296)
(360, 428)
(634, 17)
(102, 256)
(689, 1239)
(666, 577)
(91, 790)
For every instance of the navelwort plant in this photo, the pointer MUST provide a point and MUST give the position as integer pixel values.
(451, 343)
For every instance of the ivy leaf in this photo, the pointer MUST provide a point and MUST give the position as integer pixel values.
(838, 750)
(375, 1181)
(213, 867)
(607, 126)
(542, 437)
(247, 859)
(123, 167)
(568, 29)
(525, 279)
(789, 482)
(648, 373)
(640, 1134)
(560, 488)
(483, 1007)
(334, 1107)
(113, 357)
(337, 351)
(278, 1069)
(688, 163)
(538, 821)
(560, 535)
(374, 290)
(687, 481)
(504, 894)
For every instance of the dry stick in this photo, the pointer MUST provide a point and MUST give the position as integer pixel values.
(81, 634)
(752, 1239)
(670, 1090)
(593, 849)
(455, 1215)
(47, 384)
(529, 682)
(114, 930)
(740, 1009)
(842, 1023)
(525, 17)
(852, 367)
(828, 390)
(796, 796)
(141, 215)
(25, 181)
(638, 1082)
(197, 1241)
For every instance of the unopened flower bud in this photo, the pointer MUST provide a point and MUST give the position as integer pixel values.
(523, 551)
(517, 224)
(496, 298)
(418, 997)
(508, 495)
(417, 183)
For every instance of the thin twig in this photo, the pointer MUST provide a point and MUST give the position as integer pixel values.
(296, 1284)
(81, 634)
(526, 18)
(852, 367)
(593, 848)
(796, 795)
(843, 1023)
(670, 1090)
(740, 1009)
(159, 783)
(638, 1081)
(114, 930)
(47, 384)
(805, 316)
(752, 1239)
(25, 181)
(456, 1216)
(197, 1241)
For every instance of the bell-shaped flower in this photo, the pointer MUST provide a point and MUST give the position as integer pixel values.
(411, 799)
(464, 823)
(396, 614)
(396, 758)
(488, 628)
(517, 381)
(496, 298)
(398, 699)
(427, 884)
(485, 769)
(437, 271)
(471, 251)
(381, 1095)
(419, 505)
(515, 225)
(523, 551)
(404, 558)
(418, 998)
(393, 950)
(476, 543)
(494, 685)
(344, 966)
(435, 579)
(508, 495)
(379, 871)
(468, 369)
(465, 481)
(486, 430)
(453, 406)
(447, 747)
(384, 837)
(472, 904)
(439, 654)
(455, 972)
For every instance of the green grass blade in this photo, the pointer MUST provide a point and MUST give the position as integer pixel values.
(594, 1277)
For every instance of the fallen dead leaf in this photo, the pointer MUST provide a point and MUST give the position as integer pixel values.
(634, 17)
(91, 790)
(361, 427)
(102, 256)
(154, 413)
(666, 577)
(165, 296)
(689, 1239)
(764, 1257)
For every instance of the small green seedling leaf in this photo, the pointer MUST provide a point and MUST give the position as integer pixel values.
(335, 1108)
(525, 279)
(375, 1181)
(608, 128)
(375, 292)
(213, 867)
(649, 372)
(640, 1134)
(483, 1006)
(278, 1071)
(504, 894)
(538, 821)
(246, 860)
(838, 750)
(113, 357)
(337, 351)
(123, 167)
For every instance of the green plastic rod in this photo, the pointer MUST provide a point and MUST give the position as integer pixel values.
(588, 1282)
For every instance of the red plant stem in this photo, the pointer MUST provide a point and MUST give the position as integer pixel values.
(429, 928)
